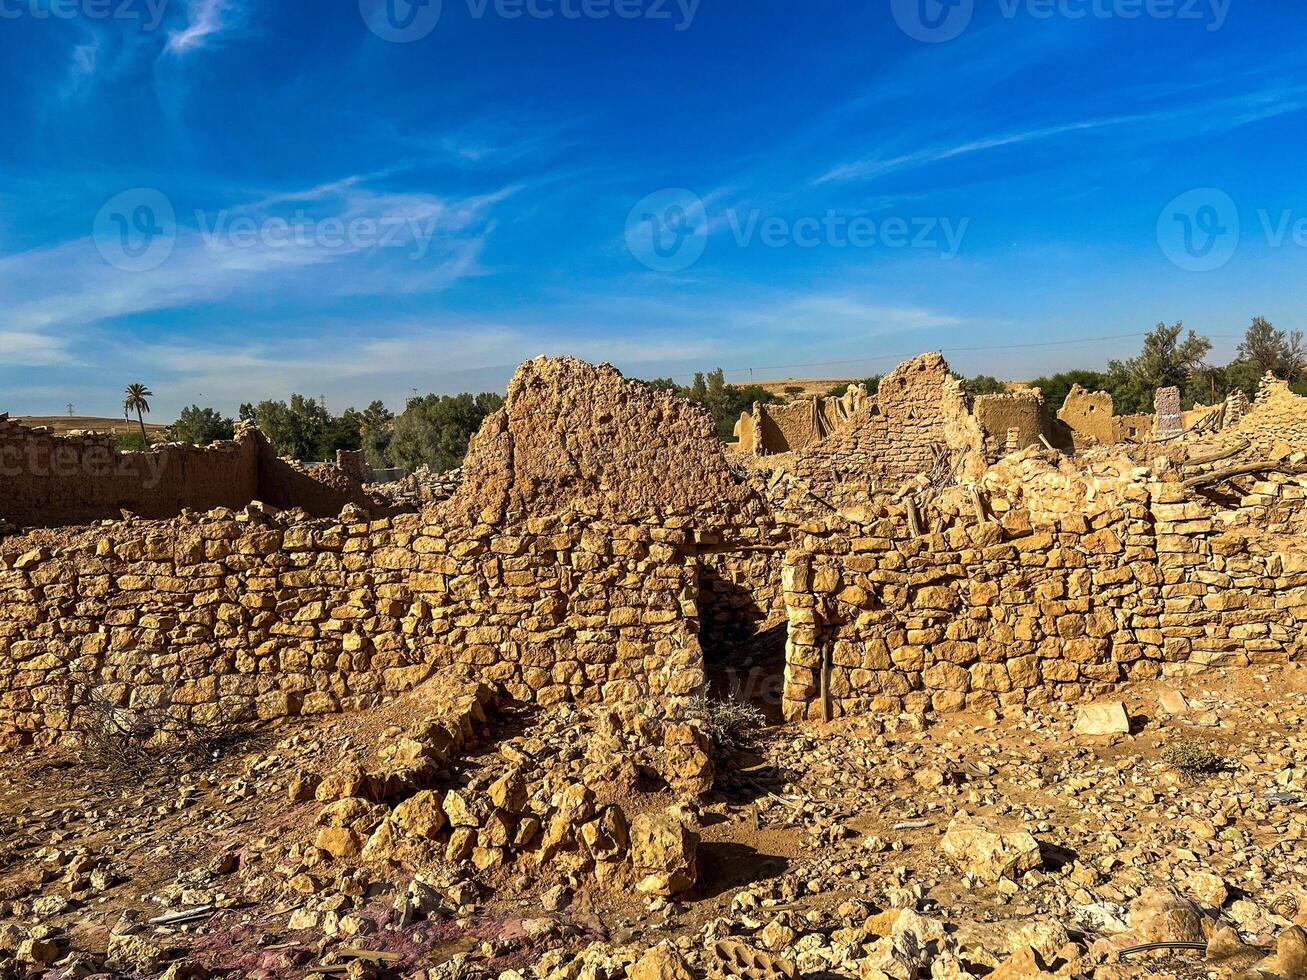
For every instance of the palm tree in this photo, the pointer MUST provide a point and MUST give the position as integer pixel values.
(136, 402)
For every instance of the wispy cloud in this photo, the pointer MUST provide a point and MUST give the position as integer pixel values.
(32, 349)
(206, 20)
(352, 241)
(1170, 122)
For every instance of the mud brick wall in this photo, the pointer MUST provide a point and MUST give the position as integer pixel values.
(225, 620)
(56, 481)
(1089, 415)
(986, 613)
(1020, 410)
(798, 425)
(48, 480)
(919, 410)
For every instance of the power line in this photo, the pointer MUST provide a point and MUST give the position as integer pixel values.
(956, 350)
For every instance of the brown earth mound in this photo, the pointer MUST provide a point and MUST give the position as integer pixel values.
(578, 436)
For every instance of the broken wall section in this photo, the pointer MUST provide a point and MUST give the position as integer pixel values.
(918, 417)
(983, 613)
(225, 618)
(773, 429)
(55, 481)
(1011, 421)
(578, 436)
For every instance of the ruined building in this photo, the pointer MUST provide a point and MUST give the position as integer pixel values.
(604, 546)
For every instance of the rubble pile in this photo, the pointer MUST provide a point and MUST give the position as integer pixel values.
(418, 489)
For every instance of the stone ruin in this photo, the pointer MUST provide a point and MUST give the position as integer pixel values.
(603, 547)
(523, 656)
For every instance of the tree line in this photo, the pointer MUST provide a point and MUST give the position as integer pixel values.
(434, 430)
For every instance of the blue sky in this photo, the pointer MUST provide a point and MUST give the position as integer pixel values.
(230, 201)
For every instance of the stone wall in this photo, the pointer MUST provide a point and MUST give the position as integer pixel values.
(1276, 422)
(52, 481)
(985, 613)
(231, 617)
(918, 415)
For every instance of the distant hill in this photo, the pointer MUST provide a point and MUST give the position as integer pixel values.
(63, 424)
(810, 386)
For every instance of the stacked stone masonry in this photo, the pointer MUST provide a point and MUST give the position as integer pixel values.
(602, 539)
(919, 413)
(229, 620)
(987, 613)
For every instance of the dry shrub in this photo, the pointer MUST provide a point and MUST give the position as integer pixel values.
(133, 742)
(1193, 758)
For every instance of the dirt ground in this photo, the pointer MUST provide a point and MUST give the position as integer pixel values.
(806, 823)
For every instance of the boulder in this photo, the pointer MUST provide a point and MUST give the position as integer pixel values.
(1105, 718)
(421, 815)
(1158, 916)
(662, 962)
(988, 852)
(664, 854)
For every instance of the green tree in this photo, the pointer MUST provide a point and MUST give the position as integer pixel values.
(137, 401)
(982, 384)
(698, 391)
(295, 429)
(872, 383)
(434, 430)
(794, 390)
(202, 426)
(377, 429)
(1165, 361)
(344, 431)
(1266, 349)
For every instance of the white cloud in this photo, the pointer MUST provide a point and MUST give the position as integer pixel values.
(1204, 118)
(353, 242)
(206, 20)
(31, 349)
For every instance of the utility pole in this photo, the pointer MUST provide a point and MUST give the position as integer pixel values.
(71, 413)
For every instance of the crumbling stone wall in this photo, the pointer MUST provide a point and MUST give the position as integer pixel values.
(985, 613)
(580, 436)
(998, 414)
(1276, 424)
(228, 619)
(803, 423)
(1089, 415)
(52, 481)
(918, 414)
